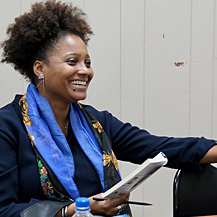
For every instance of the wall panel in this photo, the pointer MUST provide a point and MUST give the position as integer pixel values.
(132, 61)
(167, 62)
(202, 67)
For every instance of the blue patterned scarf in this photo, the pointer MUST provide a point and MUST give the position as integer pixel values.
(51, 145)
(54, 157)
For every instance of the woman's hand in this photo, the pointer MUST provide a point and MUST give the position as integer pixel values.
(108, 207)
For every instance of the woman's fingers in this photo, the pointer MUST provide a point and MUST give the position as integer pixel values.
(108, 207)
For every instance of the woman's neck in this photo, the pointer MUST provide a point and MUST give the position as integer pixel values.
(61, 113)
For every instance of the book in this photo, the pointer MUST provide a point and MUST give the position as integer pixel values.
(139, 175)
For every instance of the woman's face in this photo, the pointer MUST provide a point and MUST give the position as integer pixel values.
(67, 72)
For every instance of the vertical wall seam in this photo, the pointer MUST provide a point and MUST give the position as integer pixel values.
(213, 71)
(144, 55)
(120, 60)
(144, 80)
(144, 72)
(190, 68)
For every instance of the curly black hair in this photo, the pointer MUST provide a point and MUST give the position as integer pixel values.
(34, 33)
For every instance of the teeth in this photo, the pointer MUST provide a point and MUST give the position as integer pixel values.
(79, 83)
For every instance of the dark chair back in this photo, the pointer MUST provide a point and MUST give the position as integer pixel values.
(195, 193)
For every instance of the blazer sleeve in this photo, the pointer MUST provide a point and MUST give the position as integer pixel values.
(136, 145)
(10, 204)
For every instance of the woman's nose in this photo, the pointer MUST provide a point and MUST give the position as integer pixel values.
(83, 69)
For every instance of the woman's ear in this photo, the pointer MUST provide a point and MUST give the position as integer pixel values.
(38, 67)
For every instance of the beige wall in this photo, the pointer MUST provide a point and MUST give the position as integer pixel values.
(155, 66)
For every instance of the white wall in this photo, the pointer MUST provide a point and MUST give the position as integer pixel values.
(155, 66)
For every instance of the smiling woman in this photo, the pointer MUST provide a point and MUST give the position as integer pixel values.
(48, 46)
(54, 149)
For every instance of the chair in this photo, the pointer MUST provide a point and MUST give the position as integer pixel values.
(195, 193)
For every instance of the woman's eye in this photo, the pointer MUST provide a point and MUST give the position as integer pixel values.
(88, 63)
(72, 61)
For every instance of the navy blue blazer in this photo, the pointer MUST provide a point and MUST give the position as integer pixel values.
(19, 178)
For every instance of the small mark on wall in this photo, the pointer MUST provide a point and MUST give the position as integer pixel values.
(178, 64)
(163, 36)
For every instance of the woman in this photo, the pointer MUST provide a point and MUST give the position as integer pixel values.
(51, 147)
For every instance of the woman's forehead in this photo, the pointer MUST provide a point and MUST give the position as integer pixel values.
(69, 45)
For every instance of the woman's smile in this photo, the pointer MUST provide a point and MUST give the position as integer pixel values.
(79, 84)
